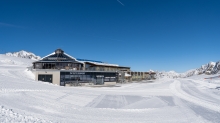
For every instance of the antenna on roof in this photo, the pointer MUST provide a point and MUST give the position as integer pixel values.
(57, 55)
(59, 52)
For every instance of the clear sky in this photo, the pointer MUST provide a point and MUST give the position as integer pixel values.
(143, 34)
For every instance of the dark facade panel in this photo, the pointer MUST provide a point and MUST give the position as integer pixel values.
(85, 77)
(45, 78)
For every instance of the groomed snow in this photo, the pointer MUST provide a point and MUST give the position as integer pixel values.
(189, 100)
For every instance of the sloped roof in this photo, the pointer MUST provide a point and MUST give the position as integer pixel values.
(87, 60)
(103, 64)
(47, 56)
(59, 57)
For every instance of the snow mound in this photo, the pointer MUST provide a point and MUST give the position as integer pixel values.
(8, 115)
(10, 60)
(24, 54)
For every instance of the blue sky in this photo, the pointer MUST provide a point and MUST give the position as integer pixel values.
(143, 34)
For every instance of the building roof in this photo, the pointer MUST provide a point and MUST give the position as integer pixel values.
(106, 64)
(60, 56)
(86, 60)
(57, 56)
(101, 64)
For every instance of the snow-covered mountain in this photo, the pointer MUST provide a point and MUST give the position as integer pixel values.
(24, 54)
(169, 74)
(208, 69)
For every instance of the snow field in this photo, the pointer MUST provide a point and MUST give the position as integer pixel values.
(175, 87)
(163, 101)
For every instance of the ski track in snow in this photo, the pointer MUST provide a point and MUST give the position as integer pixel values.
(176, 89)
(163, 101)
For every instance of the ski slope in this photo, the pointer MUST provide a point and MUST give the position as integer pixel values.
(189, 100)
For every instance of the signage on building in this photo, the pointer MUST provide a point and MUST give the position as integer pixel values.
(77, 73)
(99, 75)
(109, 77)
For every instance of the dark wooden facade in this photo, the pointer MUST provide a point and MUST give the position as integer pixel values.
(58, 60)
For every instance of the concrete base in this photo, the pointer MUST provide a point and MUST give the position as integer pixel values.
(109, 83)
(69, 85)
(91, 84)
(86, 84)
(80, 84)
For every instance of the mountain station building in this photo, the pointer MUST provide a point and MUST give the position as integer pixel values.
(64, 70)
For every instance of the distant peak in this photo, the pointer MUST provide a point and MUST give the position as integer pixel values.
(208, 69)
(24, 54)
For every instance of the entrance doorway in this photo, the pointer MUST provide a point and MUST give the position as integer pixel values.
(99, 81)
(45, 78)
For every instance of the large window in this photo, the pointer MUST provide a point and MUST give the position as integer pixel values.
(38, 65)
(87, 76)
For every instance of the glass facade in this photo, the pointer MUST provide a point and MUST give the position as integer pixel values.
(88, 77)
(58, 65)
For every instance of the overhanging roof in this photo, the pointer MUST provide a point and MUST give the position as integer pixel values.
(58, 57)
(106, 64)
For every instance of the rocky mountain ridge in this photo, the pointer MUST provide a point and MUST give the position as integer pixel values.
(208, 69)
(24, 54)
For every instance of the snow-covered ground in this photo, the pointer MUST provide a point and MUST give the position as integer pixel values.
(189, 100)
